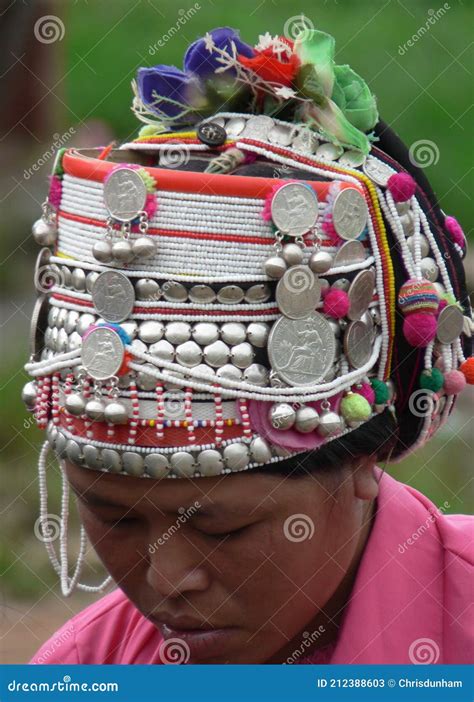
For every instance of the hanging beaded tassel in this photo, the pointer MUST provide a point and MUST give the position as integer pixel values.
(55, 399)
(188, 414)
(160, 411)
(219, 421)
(244, 413)
(132, 436)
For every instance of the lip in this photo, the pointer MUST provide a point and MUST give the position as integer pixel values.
(203, 642)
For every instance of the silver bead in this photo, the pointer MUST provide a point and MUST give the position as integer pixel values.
(147, 289)
(52, 316)
(216, 354)
(189, 354)
(174, 292)
(341, 284)
(143, 247)
(177, 332)
(78, 279)
(163, 350)
(334, 324)
(116, 413)
(63, 340)
(74, 452)
(122, 251)
(44, 233)
(440, 289)
(133, 463)
(292, 254)
(424, 245)
(306, 420)
(230, 295)
(407, 222)
(60, 442)
(229, 371)
(28, 395)
(330, 424)
(102, 251)
(130, 328)
(111, 460)
(71, 321)
(207, 370)
(84, 322)
(139, 346)
(202, 294)
(233, 333)
(236, 456)
(320, 262)
(403, 207)
(205, 333)
(157, 465)
(429, 269)
(182, 463)
(258, 293)
(282, 416)
(54, 338)
(242, 355)
(92, 457)
(94, 409)
(61, 318)
(210, 462)
(257, 334)
(150, 331)
(256, 374)
(74, 342)
(260, 451)
(90, 280)
(65, 275)
(75, 404)
(275, 267)
(145, 380)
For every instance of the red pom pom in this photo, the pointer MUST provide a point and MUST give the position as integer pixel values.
(419, 329)
(401, 186)
(441, 305)
(467, 369)
(366, 390)
(336, 303)
(455, 231)
(454, 382)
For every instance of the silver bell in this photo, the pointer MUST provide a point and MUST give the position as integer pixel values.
(306, 420)
(115, 413)
(75, 404)
(330, 424)
(95, 410)
(292, 254)
(122, 251)
(143, 247)
(282, 416)
(275, 267)
(44, 233)
(28, 395)
(320, 262)
(102, 251)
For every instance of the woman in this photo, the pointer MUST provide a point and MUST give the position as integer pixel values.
(291, 313)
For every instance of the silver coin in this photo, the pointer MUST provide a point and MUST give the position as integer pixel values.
(230, 295)
(38, 326)
(235, 126)
(257, 127)
(102, 353)
(281, 134)
(298, 292)
(361, 292)
(352, 159)
(450, 324)
(124, 194)
(174, 291)
(258, 293)
(329, 152)
(350, 252)
(294, 209)
(301, 351)
(305, 141)
(113, 296)
(358, 343)
(202, 294)
(349, 213)
(377, 171)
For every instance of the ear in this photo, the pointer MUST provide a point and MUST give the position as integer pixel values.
(365, 483)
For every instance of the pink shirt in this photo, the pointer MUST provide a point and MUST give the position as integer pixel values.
(411, 601)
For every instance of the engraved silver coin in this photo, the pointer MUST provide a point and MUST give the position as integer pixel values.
(298, 292)
(102, 353)
(360, 293)
(377, 171)
(257, 127)
(174, 291)
(350, 252)
(294, 209)
(349, 213)
(352, 159)
(450, 324)
(38, 326)
(301, 351)
(230, 295)
(202, 294)
(358, 343)
(113, 296)
(124, 194)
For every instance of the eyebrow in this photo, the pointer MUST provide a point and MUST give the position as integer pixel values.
(96, 500)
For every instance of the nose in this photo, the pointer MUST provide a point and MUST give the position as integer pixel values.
(177, 567)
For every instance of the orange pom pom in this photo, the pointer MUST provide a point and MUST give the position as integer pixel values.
(467, 369)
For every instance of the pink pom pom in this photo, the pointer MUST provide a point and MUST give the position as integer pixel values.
(441, 305)
(55, 190)
(454, 382)
(455, 231)
(150, 205)
(419, 329)
(365, 389)
(401, 186)
(267, 206)
(336, 303)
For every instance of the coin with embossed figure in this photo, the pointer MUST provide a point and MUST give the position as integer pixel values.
(124, 194)
(360, 293)
(298, 292)
(102, 353)
(349, 213)
(450, 324)
(113, 296)
(358, 343)
(294, 209)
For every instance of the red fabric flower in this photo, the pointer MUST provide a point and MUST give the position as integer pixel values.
(271, 68)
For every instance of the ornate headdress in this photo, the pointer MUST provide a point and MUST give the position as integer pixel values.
(240, 285)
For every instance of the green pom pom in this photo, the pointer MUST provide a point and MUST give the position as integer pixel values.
(149, 130)
(449, 297)
(431, 380)
(381, 391)
(355, 408)
(148, 179)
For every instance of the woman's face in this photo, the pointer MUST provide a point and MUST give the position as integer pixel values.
(257, 558)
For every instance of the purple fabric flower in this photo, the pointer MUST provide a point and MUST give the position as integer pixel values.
(202, 62)
(169, 82)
